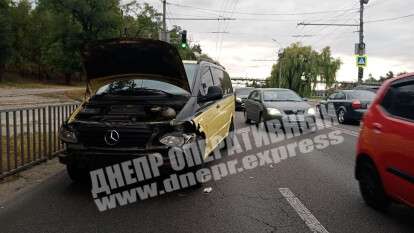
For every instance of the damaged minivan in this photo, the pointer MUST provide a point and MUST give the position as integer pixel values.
(143, 99)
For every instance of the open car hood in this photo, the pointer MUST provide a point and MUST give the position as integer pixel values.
(109, 60)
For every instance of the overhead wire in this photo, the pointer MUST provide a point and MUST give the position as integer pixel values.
(389, 19)
(226, 26)
(261, 13)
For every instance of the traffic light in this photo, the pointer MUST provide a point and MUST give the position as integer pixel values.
(184, 39)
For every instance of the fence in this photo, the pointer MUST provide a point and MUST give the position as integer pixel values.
(29, 136)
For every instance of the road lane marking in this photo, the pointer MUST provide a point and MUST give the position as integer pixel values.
(345, 131)
(310, 220)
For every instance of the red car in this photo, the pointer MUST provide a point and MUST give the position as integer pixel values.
(385, 151)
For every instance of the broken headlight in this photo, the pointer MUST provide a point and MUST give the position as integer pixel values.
(177, 139)
(67, 135)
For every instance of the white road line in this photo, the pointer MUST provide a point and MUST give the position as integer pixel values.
(345, 131)
(310, 220)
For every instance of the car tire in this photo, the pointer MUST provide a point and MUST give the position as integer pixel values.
(371, 187)
(76, 174)
(260, 120)
(319, 109)
(247, 120)
(341, 116)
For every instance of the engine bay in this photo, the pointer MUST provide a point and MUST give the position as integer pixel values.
(131, 111)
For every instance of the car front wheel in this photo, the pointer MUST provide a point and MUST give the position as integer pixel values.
(77, 174)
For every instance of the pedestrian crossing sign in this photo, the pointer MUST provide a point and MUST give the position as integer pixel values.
(361, 60)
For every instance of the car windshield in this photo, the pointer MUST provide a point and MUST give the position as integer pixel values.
(281, 95)
(243, 92)
(361, 95)
(139, 87)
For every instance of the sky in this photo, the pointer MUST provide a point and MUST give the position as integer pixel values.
(262, 27)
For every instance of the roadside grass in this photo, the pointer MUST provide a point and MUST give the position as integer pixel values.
(18, 157)
(27, 85)
(17, 81)
(70, 95)
(75, 94)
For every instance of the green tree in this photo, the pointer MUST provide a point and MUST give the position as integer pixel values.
(327, 67)
(300, 68)
(46, 38)
(388, 75)
(77, 23)
(371, 79)
(6, 37)
(141, 21)
(99, 19)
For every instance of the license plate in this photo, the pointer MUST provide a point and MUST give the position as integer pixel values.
(296, 118)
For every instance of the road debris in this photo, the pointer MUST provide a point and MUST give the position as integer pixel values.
(208, 190)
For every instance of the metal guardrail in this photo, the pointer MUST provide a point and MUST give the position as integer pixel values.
(29, 136)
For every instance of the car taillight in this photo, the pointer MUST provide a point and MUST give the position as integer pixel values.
(356, 104)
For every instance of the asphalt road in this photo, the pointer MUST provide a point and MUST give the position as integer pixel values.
(322, 181)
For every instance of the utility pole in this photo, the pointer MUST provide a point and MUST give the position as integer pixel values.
(361, 45)
(164, 21)
(280, 66)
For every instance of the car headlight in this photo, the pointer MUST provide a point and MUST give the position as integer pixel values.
(176, 139)
(238, 99)
(273, 111)
(311, 111)
(67, 135)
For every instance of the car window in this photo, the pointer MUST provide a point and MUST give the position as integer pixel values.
(331, 97)
(280, 95)
(217, 77)
(191, 71)
(361, 95)
(136, 87)
(243, 92)
(340, 96)
(206, 80)
(253, 95)
(228, 88)
(399, 100)
(257, 97)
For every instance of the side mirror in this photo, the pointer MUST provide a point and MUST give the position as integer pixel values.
(305, 99)
(213, 93)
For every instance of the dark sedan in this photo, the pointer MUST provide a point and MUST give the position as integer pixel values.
(349, 105)
(241, 96)
(276, 103)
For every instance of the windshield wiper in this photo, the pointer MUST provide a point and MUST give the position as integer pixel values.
(154, 91)
(137, 91)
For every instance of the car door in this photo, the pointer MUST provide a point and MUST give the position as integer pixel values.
(393, 126)
(249, 105)
(339, 101)
(226, 105)
(208, 117)
(255, 106)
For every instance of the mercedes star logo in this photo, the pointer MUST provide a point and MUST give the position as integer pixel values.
(111, 137)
